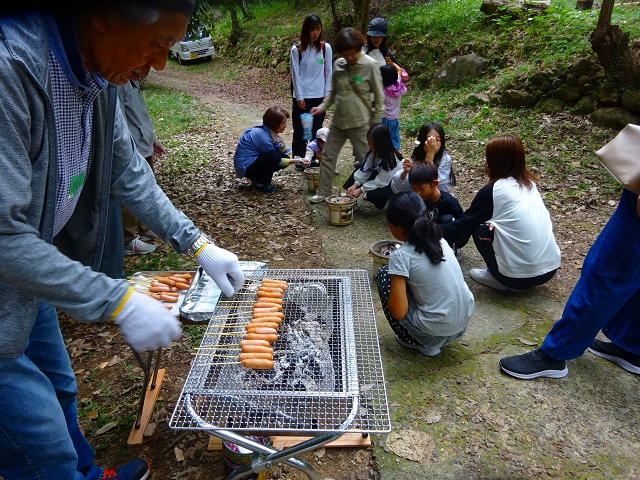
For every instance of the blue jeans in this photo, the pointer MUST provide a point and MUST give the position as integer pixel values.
(39, 434)
(394, 130)
(607, 295)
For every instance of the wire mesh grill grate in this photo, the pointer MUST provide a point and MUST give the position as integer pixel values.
(327, 361)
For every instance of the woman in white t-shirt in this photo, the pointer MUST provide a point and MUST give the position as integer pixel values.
(422, 290)
(510, 224)
(311, 70)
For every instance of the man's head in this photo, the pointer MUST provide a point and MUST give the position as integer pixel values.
(122, 41)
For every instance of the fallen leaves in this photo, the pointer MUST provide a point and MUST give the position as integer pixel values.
(411, 444)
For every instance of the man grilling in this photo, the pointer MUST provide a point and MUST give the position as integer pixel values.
(65, 148)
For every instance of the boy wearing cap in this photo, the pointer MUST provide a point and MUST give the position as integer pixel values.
(315, 148)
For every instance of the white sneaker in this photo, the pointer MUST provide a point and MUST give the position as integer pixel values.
(317, 198)
(483, 276)
(148, 236)
(138, 247)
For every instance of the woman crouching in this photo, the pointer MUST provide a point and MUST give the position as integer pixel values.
(262, 151)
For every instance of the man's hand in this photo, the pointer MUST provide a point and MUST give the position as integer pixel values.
(158, 148)
(302, 105)
(223, 267)
(146, 324)
(315, 111)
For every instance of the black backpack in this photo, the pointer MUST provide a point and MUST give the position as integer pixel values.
(300, 59)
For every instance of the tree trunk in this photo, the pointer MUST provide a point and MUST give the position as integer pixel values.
(235, 27)
(584, 4)
(364, 16)
(245, 12)
(337, 24)
(611, 45)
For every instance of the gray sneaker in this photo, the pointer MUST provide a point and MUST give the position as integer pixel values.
(533, 365)
(138, 247)
(483, 276)
(613, 353)
(429, 352)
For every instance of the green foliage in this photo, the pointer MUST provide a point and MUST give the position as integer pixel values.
(171, 111)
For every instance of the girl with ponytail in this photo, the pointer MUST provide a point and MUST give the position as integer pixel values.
(423, 294)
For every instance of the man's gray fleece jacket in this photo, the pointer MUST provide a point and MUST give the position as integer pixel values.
(61, 271)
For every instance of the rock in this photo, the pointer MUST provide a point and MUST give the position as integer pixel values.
(584, 66)
(550, 105)
(538, 78)
(608, 95)
(631, 100)
(617, 118)
(585, 106)
(478, 99)
(568, 93)
(585, 84)
(517, 99)
(572, 80)
(459, 69)
(282, 67)
(546, 86)
(490, 7)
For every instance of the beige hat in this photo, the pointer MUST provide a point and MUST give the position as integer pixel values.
(322, 133)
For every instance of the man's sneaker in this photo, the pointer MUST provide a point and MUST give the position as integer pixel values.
(613, 353)
(533, 365)
(138, 247)
(483, 276)
(137, 469)
(429, 352)
(317, 198)
(148, 236)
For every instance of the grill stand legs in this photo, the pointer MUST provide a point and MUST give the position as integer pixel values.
(264, 457)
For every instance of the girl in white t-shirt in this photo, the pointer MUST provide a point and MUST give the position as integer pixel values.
(422, 290)
(311, 72)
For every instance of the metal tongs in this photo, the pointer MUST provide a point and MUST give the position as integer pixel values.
(149, 374)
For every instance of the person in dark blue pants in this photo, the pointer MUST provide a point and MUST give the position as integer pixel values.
(606, 297)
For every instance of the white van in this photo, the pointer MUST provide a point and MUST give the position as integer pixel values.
(195, 44)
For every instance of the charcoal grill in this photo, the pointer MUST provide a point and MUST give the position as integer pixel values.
(327, 379)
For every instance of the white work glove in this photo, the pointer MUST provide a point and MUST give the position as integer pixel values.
(223, 267)
(146, 324)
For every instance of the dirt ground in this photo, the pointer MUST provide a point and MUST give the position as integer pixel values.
(470, 409)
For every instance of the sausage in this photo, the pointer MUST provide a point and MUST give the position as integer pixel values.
(256, 349)
(265, 330)
(273, 325)
(182, 286)
(165, 280)
(269, 337)
(262, 293)
(271, 289)
(257, 364)
(277, 306)
(163, 288)
(248, 356)
(275, 320)
(267, 309)
(273, 280)
(268, 314)
(271, 300)
(168, 298)
(255, 341)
